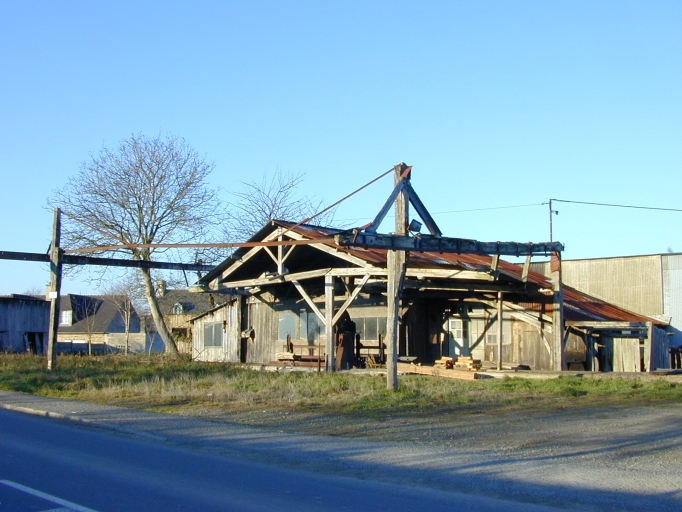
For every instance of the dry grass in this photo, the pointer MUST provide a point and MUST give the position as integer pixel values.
(180, 385)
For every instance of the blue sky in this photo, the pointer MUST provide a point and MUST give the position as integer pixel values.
(495, 104)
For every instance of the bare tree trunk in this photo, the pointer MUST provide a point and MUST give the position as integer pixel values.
(161, 328)
(127, 316)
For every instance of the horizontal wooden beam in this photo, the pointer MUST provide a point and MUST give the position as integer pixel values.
(461, 286)
(268, 280)
(425, 243)
(70, 259)
(606, 325)
(418, 273)
(24, 256)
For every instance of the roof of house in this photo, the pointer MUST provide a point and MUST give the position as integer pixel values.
(192, 303)
(90, 313)
(577, 305)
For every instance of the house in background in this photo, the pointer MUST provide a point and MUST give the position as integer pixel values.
(98, 324)
(178, 307)
(23, 323)
(278, 301)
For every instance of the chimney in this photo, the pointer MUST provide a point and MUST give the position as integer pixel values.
(160, 287)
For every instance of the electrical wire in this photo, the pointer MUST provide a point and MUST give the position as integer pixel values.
(490, 208)
(617, 205)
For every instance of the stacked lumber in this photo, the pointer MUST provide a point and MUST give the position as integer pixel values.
(437, 371)
(445, 362)
(467, 363)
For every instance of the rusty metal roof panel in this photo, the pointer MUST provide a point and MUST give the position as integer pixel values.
(578, 306)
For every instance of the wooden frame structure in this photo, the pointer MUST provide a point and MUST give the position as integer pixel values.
(404, 266)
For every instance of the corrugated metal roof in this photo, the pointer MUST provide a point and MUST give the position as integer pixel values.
(578, 306)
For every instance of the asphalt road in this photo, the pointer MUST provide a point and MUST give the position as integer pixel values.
(63, 454)
(48, 464)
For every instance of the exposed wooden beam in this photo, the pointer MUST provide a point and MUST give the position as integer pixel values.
(495, 263)
(426, 243)
(372, 228)
(350, 299)
(332, 251)
(396, 263)
(421, 210)
(310, 302)
(418, 273)
(265, 281)
(607, 325)
(329, 322)
(518, 312)
(558, 341)
(250, 254)
(56, 257)
(526, 269)
(71, 259)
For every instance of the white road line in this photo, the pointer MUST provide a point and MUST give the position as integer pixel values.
(48, 497)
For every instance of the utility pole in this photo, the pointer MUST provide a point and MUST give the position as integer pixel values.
(552, 213)
(55, 289)
(396, 262)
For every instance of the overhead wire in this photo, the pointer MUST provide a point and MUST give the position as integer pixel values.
(616, 205)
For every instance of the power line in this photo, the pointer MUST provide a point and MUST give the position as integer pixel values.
(461, 211)
(617, 205)
(490, 208)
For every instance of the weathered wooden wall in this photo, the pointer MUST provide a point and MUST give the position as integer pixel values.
(229, 316)
(21, 319)
(659, 350)
(532, 349)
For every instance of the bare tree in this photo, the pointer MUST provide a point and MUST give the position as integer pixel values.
(127, 296)
(35, 291)
(85, 310)
(145, 191)
(275, 197)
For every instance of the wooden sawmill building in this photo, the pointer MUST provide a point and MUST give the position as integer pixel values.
(277, 300)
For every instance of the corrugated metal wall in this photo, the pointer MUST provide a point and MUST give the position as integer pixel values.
(632, 283)
(672, 295)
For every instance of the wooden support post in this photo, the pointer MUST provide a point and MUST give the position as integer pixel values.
(396, 263)
(328, 321)
(558, 348)
(591, 353)
(280, 259)
(396, 276)
(234, 336)
(526, 269)
(648, 347)
(55, 289)
(499, 330)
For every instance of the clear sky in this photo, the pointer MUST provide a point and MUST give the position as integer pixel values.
(495, 104)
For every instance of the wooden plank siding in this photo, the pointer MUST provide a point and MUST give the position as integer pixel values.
(23, 324)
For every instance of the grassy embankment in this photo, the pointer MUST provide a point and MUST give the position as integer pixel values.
(178, 385)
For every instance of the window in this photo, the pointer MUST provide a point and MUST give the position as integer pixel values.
(286, 325)
(66, 317)
(213, 335)
(457, 329)
(302, 326)
(311, 326)
(178, 309)
(371, 327)
(491, 335)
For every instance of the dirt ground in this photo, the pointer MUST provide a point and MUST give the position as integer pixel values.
(621, 431)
